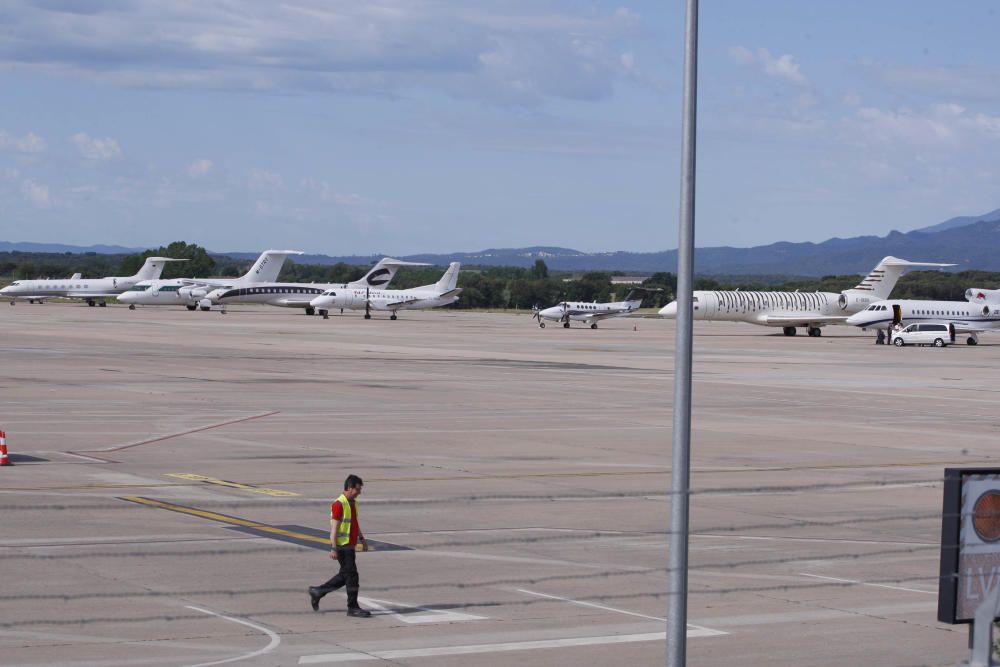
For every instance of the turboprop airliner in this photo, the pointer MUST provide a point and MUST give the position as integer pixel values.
(192, 292)
(789, 310)
(591, 313)
(961, 316)
(300, 295)
(95, 291)
(440, 293)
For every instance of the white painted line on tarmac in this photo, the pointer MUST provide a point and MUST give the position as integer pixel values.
(863, 583)
(692, 631)
(431, 615)
(482, 648)
(275, 639)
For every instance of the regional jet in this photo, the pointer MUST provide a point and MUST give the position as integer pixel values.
(441, 293)
(300, 295)
(95, 291)
(192, 292)
(591, 313)
(789, 310)
(962, 317)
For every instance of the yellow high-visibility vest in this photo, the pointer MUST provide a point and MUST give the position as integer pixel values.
(344, 529)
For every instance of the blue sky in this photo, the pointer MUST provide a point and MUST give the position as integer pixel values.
(405, 126)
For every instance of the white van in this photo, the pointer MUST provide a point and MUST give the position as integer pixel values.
(937, 335)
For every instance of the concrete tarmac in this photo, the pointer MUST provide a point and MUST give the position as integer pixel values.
(173, 474)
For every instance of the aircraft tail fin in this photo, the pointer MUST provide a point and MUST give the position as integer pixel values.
(268, 266)
(883, 278)
(449, 280)
(153, 267)
(382, 273)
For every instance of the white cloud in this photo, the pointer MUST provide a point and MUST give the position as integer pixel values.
(199, 168)
(96, 149)
(265, 178)
(941, 126)
(374, 46)
(30, 143)
(36, 193)
(782, 67)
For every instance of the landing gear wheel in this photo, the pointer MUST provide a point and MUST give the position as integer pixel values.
(368, 316)
(103, 304)
(593, 326)
(310, 311)
(815, 332)
(131, 306)
(191, 307)
(541, 325)
(565, 325)
(393, 316)
(222, 312)
(789, 331)
(898, 342)
(12, 302)
(971, 340)
(91, 303)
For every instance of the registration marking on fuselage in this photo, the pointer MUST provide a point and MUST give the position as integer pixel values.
(233, 485)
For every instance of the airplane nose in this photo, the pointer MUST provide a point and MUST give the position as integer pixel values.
(855, 320)
(125, 297)
(669, 310)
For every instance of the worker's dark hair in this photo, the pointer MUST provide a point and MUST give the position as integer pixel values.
(352, 481)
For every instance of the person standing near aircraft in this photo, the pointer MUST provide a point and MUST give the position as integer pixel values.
(345, 535)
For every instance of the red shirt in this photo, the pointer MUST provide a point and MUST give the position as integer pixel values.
(337, 513)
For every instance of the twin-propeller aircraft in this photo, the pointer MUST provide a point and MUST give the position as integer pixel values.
(591, 313)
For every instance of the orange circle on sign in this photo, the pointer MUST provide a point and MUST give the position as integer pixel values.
(986, 516)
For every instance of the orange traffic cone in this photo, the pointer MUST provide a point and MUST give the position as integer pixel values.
(4, 459)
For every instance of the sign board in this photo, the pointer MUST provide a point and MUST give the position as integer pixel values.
(970, 542)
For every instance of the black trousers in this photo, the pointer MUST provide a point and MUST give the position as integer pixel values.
(347, 576)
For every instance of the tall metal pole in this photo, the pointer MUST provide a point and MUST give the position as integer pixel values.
(677, 579)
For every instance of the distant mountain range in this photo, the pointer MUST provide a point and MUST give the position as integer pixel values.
(970, 242)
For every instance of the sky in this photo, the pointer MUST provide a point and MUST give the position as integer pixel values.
(411, 126)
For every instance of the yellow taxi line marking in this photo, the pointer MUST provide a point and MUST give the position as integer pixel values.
(233, 485)
(225, 518)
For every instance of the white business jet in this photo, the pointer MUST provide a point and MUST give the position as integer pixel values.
(440, 293)
(192, 292)
(95, 291)
(789, 310)
(300, 295)
(591, 313)
(962, 317)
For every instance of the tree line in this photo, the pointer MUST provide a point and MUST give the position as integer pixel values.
(483, 287)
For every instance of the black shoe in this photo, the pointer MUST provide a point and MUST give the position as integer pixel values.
(359, 612)
(314, 597)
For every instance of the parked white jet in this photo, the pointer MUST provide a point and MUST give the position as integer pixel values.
(440, 293)
(300, 295)
(192, 292)
(798, 309)
(962, 317)
(93, 290)
(591, 313)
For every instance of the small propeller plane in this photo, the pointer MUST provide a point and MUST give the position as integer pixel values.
(441, 293)
(591, 313)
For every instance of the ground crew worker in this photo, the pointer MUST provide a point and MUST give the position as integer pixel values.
(345, 535)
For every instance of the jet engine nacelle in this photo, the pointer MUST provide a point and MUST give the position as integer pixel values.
(981, 295)
(852, 302)
(193, 293)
